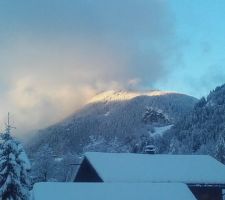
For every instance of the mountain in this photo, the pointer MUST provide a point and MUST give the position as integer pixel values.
(113, 114)
(112, 121)
(203, 131)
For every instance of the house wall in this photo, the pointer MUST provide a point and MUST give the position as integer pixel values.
(87, 173)
(207, 193)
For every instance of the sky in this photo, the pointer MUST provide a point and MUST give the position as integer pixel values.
(55, 55)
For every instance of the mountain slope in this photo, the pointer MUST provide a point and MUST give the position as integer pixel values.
(203, 131)
(114, 114)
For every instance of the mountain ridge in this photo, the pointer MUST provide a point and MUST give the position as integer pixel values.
(118, 95)
(113, 121)
(107, 109)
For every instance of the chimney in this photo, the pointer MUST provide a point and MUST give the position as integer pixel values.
(150, 149)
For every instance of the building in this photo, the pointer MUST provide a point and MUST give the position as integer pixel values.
(204, 175)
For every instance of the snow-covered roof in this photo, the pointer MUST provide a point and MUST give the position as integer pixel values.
(111, 191)
(128, 167)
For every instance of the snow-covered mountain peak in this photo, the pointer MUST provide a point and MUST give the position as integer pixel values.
(113, 95)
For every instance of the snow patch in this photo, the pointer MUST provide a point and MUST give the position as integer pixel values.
(107, 114)
(159, 131)
(58, 159)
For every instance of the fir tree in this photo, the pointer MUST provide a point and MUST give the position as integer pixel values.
(44, 163)
(14, 166)
(220, 149)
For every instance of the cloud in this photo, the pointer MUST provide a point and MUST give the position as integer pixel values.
(57, 54)
(208, 80)
(35, 104)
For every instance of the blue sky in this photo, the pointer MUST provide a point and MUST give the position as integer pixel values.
(200, 28)
(54, 55)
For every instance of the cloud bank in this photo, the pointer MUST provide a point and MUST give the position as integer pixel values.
(57, 54)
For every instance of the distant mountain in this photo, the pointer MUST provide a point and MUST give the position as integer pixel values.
(111, 114)
(112, 121)
(203, 131)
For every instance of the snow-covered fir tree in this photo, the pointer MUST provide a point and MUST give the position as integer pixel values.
(14, 167)
(99, 143)
(220, 149)
(203, 130)
(43, 165)
(153, 116)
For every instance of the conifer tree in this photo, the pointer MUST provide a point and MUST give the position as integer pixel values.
(220, 149)
(14, 167)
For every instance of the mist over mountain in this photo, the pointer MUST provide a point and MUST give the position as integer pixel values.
(83, 78)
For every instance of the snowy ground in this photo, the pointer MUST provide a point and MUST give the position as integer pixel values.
(159, 131)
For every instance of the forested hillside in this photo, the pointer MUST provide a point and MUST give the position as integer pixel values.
(203, 131)
(113, 121)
